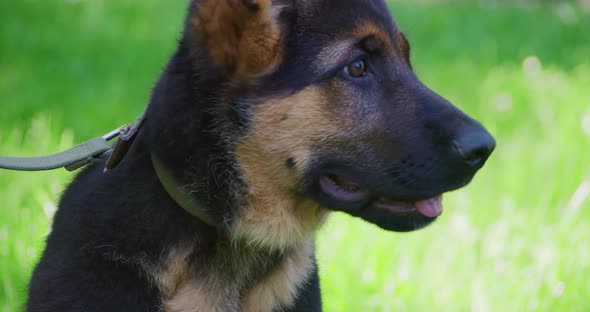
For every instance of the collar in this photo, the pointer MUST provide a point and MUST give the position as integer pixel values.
(172, 187)
(126, 136)
(179, 194)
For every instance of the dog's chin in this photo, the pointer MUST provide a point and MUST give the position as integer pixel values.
(398, 217)
(336, 193)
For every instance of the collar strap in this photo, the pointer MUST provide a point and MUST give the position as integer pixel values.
(127, 135)
(175, 190)
(178, 193)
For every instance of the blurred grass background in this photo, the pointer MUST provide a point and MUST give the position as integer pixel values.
(517, 239)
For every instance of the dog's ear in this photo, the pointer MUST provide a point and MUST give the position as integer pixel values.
(243, 37)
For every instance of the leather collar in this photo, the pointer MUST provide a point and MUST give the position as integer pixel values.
(179, 193)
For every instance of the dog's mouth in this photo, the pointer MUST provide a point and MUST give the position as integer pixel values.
(347, 191)
(388, 213)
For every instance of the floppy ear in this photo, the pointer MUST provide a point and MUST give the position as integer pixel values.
(243, 37)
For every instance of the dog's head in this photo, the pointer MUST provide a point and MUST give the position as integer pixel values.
(328, 115)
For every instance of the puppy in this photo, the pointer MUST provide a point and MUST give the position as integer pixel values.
(269, 116)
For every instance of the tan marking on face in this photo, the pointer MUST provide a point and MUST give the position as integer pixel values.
(243, 41)
(369, 29)
(280, 289)
(340, 50)
(404, 46)
(282, 128)
(334, 54)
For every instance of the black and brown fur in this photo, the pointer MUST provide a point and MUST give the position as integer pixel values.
(252, 109)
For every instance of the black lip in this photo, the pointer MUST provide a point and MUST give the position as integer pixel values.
(315, 191)
(331, 203)
(397, 222)
(369, 211)
(421, 188)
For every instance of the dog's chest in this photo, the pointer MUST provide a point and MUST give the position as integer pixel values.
(184, 292)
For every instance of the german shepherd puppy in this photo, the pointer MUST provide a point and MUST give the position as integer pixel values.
(270, 115)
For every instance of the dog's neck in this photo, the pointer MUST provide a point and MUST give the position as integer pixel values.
(186, 134)
(182, 198)
(199, 265)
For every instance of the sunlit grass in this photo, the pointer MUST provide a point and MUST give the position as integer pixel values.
(514, 240)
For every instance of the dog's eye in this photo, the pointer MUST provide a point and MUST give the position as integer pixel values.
(357, 69)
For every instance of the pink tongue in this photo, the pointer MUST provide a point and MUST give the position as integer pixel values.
(431, 208)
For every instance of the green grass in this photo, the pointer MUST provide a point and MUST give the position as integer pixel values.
(514, 240)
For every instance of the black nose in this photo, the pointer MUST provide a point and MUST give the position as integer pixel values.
(474, 146)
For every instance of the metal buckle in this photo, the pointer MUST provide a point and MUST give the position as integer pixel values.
(107, 137)
(115, 133)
